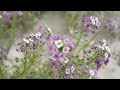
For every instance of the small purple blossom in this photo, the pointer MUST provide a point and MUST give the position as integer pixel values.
(57, 56)
(3, 55)
(66, 39)
(53, 63)
(56, 76)
(31, 42)
(58, 37)
(58, 70)
(110, 25)
(105, 61)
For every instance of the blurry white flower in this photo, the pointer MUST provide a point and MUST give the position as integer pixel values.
(66, 49)
(101, 47)
(72, 69)
(67, 71)
(93, 22)
(107, 49)
(48, 29)
(65, 60)
(92, 73)
(106, 55)
(96, 19)
(26, 40)
(59, 43)
(37, 35)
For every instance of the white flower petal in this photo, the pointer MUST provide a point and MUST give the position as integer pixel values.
(96, 19)
(72, 69)
(93, 22)
(91, 18)
(67, 71)
(92, 73)
(59, 43)
(107, 49)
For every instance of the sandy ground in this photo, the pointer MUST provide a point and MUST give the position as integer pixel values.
(56, 21)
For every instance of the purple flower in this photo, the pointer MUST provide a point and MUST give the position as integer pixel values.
(76, 76)
(58, 69)
(87, 20)
(88, 58)
(57, 56)
(30, 42)
(7, 14)
(86, 72)
(48, 37)
(2, 55)
(51, 47)
(72, 45)
(30, 48)
(86, 67)
(56, 76)
(105, 61)
(93, 72)
(53, 63)
(94, 31)
(70, 65)
(108, 21)
(58, 37)
(80, 70)
(65, 76)
(111, 29)
(71, 76)
(66, 39)
(98, 63)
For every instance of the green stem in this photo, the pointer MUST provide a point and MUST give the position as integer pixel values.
(86, 45)
(92, 58)
(78, 42)
(1, 72)
(13, 31)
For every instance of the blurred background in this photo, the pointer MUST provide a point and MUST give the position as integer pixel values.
(57, 20)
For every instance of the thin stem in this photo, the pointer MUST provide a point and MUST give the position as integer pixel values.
(13, 31)
(1, 73)
(78, 42)
(85, 45)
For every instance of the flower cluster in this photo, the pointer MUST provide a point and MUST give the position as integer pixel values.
(91, 23)
(105, 50)
(110, 25)
(96, 57)
(7, 15)
(61, 46)
(31, 41)
(34, 39)
(62, 61)
(2, 55)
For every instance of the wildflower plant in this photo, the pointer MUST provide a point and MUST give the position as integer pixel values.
(3, 57)
(30, 46)
(11, 22)
(69, 55)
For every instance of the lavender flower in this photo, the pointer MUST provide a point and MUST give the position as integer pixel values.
(110, 25)
(60, 46)
(31, 42)
(3, 55)
(56, 76)
(91, 24)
